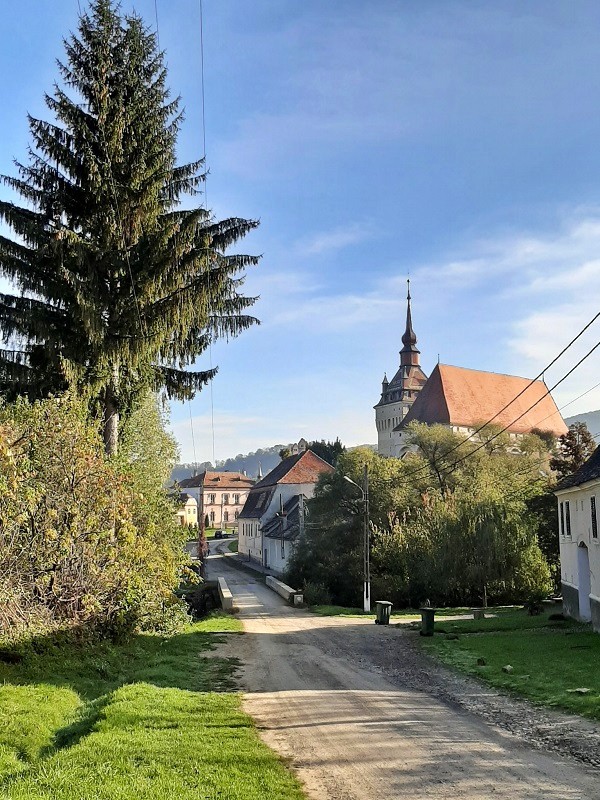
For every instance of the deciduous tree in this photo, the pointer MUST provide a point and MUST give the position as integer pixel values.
(574, 448)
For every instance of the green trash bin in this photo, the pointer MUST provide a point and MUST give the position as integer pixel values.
(383, 609)
(427, 620)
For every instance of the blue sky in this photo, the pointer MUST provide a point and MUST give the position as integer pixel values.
(455, 140)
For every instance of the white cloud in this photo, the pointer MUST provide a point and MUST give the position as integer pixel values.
(335, 239)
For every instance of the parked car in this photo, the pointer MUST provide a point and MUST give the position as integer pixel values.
(219, 534)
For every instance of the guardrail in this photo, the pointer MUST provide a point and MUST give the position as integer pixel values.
(292, 596)
(225, 595)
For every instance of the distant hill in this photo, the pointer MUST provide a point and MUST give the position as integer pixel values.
(591, 419)
(267, 457)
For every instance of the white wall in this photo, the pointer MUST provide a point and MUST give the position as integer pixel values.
(579, 499)
(253, 544)
(386, 419)
(249, 541)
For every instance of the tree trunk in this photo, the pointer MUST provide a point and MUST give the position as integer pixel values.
(111, 416)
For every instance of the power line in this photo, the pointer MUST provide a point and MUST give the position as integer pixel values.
(495, 436)
(203, 99)
(531, 382)
(156, 17)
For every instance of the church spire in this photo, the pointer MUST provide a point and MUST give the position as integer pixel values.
(409, 355)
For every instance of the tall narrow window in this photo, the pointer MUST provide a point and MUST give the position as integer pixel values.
(568, 517)
(594, 518)
(212, 516)
(562, 519)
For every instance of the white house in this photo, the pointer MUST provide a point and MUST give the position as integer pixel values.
(578, 499)
(273, 513)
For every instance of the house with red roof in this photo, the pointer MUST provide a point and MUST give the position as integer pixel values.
(459, 398)
(220, 496)
(273, 515)
(464, 399)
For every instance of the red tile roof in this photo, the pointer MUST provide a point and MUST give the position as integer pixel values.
(302, 468)
(469, 397)
(218, 480)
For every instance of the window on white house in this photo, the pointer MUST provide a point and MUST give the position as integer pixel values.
(594, 518)
(562, 519)
(568, 517)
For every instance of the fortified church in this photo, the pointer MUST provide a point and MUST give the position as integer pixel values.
(459, 398)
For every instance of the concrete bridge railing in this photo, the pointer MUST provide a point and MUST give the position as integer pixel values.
(225, 595)
(292, 596)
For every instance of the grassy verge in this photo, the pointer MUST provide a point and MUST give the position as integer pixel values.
(233, 546)
(148, 720)
(406, 613)
(549, 659)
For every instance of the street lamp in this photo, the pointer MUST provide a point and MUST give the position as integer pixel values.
(364, 490)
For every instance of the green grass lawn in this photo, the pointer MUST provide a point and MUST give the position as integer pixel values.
(403, 613)
(233, 546)
(548, 658)
(152, 719)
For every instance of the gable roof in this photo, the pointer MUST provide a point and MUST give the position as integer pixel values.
(218, 480)
(286, 525)
(469, 397)
(302, 468)
(257, 502)
(588, 471)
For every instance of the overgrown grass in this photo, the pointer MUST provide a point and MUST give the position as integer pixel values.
(549, 658)
(151, 719)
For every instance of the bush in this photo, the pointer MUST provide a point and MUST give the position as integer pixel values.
(84, 540)
(316, 594)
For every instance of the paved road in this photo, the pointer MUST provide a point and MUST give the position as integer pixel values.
(354, 732)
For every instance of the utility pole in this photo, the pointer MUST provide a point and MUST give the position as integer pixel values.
(364, 490)
(367, 555)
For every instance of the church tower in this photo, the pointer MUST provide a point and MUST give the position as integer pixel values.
(398, 395)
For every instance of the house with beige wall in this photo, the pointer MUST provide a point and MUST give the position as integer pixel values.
(187, 510)
(220, 496)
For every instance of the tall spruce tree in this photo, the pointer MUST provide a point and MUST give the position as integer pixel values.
(119, 288)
